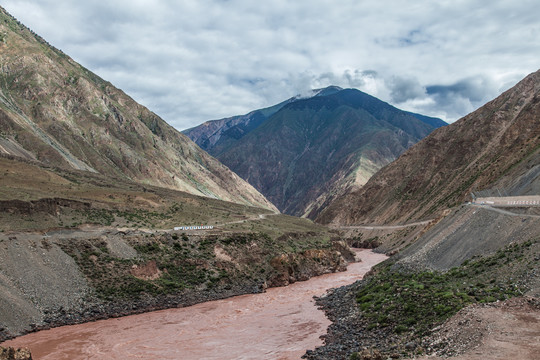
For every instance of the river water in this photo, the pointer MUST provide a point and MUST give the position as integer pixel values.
(281, 323)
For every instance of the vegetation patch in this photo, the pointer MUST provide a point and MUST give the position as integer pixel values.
(170, 263)
(409, 304)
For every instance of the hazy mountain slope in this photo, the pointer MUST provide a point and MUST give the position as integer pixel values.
(57, 112)
(313, 149)
(216, 136)
(498, 145)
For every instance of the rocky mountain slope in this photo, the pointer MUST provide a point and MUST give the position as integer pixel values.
(305, 151)
(497, 147)
(55, 111)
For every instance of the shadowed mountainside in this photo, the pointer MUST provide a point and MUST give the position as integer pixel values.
(305, 151)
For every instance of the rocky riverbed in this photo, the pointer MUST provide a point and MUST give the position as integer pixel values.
(349, 332)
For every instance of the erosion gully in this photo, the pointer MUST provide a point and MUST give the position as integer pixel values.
(281, 323)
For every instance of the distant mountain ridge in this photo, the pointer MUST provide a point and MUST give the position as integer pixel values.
(303, 152)
(495, 147)
(57, 112)
(216, 136)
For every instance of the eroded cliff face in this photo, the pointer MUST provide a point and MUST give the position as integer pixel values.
(57, 112)
(291, 268)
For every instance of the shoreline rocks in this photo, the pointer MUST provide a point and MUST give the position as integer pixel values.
(10, 353)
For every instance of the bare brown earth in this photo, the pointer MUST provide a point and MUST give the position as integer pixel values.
(499, 331)
(36, 196)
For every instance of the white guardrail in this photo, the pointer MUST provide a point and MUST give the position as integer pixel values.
(510, 201)
(202, 227)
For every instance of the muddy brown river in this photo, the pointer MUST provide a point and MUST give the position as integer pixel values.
(281, 323)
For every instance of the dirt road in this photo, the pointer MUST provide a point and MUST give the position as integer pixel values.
(505, 212)
(381, 227)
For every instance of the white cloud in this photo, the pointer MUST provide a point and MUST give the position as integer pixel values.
(196, 60)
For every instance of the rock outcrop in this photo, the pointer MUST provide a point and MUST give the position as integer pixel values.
(291, 268)
(15, 354)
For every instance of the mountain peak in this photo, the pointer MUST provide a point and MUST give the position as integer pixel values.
(329, 90)
(314, 145)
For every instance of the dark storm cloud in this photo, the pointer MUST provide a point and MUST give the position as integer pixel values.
(463, 96)
(403, 89)
(474, 89)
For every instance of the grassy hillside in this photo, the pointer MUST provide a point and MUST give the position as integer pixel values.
(395, 310)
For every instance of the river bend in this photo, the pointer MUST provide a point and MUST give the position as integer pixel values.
(281, 323)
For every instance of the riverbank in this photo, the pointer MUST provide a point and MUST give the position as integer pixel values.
(402, 311)
(281, 323)
(75, 276)
(347, 333)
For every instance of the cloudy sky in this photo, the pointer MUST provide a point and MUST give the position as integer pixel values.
(196, 60)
